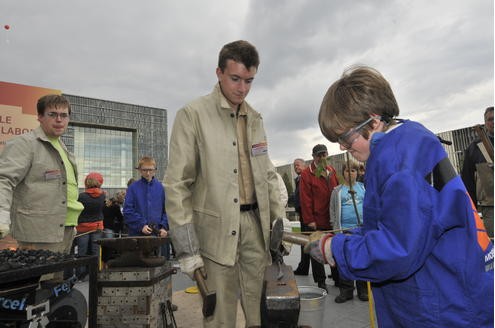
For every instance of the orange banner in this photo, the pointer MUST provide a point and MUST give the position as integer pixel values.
(18, 109)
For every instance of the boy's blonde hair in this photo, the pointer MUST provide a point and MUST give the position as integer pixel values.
(146, 160)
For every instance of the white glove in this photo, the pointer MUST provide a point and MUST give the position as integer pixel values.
(189, 264)
(4, 223)
(327, 248)
(4, 230)
(320, 247)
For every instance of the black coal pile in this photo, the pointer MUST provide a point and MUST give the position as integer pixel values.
(24, 259)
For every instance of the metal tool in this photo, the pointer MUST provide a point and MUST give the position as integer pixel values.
(135, 251)
(209, 298)
(280, 301)
(168, 319)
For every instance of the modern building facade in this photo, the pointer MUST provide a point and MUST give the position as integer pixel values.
(109, 137)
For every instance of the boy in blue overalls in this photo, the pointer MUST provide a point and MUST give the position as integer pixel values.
(423, 246)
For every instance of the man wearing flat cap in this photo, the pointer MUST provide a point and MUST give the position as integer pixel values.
(315, 187)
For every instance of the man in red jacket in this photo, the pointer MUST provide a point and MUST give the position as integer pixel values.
(315, 187)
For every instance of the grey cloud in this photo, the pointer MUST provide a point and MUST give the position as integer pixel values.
(437, 55)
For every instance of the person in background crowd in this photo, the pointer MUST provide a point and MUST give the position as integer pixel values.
(303, 266)
(125, 229)
(90, 222)
(284, 197)
(316, 185)
(38, 183)
(477, 173)
(362, 170)
(113, 220)
(423, 247)
(346, 212)
(222, 189)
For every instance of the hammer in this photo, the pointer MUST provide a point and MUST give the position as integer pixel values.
(209, 298)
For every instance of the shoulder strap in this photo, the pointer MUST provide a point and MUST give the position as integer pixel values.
(483, 150)
(442, 173)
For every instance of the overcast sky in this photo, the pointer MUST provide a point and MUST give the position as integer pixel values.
(438, 55)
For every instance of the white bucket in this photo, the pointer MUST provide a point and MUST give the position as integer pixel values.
(312, 306)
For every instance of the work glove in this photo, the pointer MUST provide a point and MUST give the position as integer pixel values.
(4, 230)
(319, 247)
(4, 223)
(189, 264)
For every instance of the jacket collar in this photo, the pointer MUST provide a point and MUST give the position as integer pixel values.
(40, 134)
(312, 168)
(146, 181)
(245, 109)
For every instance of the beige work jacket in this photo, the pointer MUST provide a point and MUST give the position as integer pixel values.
(33, 187)
(201, 179)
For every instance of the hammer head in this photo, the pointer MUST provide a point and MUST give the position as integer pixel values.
(209, 302)
(209, 298)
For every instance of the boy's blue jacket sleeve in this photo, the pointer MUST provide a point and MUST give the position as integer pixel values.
(385, 252)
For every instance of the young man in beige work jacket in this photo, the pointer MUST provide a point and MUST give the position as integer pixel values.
(222, 189)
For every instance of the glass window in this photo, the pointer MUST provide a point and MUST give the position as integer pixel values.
(105, 151)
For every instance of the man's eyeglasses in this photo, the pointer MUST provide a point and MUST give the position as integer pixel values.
(347, 139)
(62, 116)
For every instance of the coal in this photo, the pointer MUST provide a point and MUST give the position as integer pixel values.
(27, 258)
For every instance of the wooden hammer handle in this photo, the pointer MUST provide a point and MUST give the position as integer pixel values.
(200, 281)
(295, 238)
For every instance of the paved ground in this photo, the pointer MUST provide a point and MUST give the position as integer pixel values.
(352, 314)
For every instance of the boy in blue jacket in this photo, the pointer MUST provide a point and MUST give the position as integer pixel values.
(422, 246)
(144, 204)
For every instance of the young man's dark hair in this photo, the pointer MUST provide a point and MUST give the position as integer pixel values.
(239, 51)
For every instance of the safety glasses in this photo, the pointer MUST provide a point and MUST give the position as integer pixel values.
(347, 139)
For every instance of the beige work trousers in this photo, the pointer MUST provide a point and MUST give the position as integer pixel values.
(244, 279)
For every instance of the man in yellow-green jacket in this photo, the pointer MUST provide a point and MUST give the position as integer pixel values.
(38, 182)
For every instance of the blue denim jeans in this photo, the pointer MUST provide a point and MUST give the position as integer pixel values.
(86, 245)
